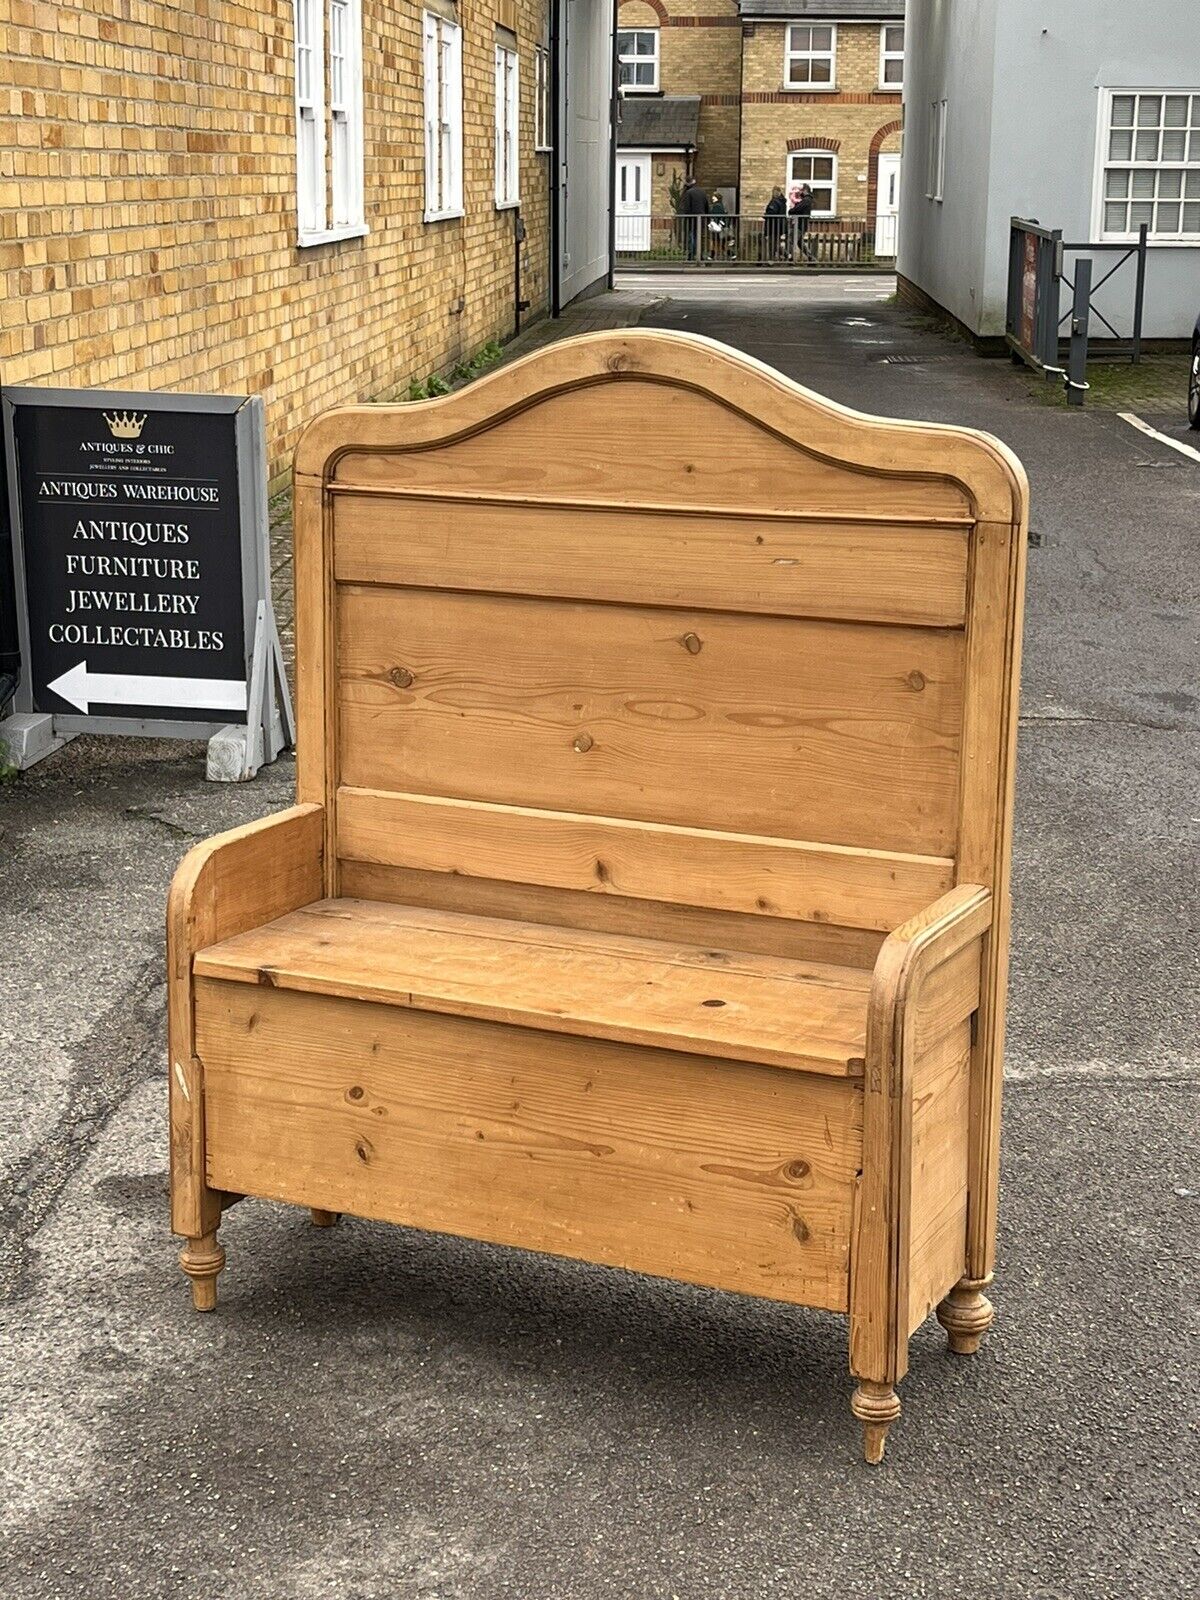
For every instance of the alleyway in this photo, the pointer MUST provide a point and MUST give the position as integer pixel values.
(448, 1420)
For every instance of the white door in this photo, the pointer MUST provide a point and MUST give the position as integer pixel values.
(633, 203)
(887, 206)
(585, 150)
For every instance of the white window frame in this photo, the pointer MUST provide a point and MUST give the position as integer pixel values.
(346, 113)
(792, 180)
(935, 177)
(638, 58)
(1189, 166)
(790, 54)
(323, 116)
(541, 104)
(442, 74)
(892, 86)
(508, 127)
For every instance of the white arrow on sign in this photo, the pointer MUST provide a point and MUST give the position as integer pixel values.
(83, 689)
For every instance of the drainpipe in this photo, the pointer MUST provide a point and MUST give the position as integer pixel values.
(519, 305)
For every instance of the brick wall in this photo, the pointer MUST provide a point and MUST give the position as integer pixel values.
(852, 117)
(748, 119)
(148, 208)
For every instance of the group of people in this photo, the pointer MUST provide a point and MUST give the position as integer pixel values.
(785, 224)
(710, 234)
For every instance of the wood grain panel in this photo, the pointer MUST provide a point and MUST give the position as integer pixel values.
(634, 441)
(611, 913)
(639, 991)
(718, 1173)
(839, 733)
(645, 860)
(909, 574)
(937, 1226)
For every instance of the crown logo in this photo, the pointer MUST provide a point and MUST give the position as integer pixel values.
(125, 424)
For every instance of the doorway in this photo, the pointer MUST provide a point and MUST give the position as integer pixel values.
(633, 203)
(887, 206)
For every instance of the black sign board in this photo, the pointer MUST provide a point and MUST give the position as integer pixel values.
(140, 554)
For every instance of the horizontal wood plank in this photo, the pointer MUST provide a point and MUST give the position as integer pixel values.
(910, 574)
(637, 441)
(749, 1008)
(612, 913)
(650, 861)
(840, 733)
(712, 1172)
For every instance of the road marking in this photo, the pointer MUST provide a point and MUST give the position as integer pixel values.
(1163, 438)
(84, 689)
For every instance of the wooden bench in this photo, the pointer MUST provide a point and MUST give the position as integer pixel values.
(647, 898)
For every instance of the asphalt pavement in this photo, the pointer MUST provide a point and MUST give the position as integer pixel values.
(377, 1414)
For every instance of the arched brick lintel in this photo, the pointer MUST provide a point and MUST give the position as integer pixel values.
(659, 10)
(832, 145)
(883, 133)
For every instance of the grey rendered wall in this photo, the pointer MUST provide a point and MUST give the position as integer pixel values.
(942, 246)
(1023, 81)
(1057, 55)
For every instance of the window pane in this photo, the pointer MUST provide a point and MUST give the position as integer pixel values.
(822, 70)
(1170, 185)
(1139, 213)
(644, 74)
(1146, 147)
(1122, 111)
(1174, 145)
(1120, 146)
(1115, 218)
(894, 39)
(1143, 186)
(893, 72)
(1116, 185)
(1194, 147)
(1176, 113)
(798, 72)
(1149, 113)
(625, 44)
(822, 198)
(1196, 111)
(1191, 218)
(1168, 219)
(822, 167)
(822, 38)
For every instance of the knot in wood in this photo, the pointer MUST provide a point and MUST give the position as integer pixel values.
(401, 677)
(916, 680)
(583, 743)
(692, 643)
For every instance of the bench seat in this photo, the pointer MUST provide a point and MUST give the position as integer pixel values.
(804, 1015)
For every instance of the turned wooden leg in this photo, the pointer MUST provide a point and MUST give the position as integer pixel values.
(324, 1219)
(966, 1314)
(202, 1258)
(876, 1405)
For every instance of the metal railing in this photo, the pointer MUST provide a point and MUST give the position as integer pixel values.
(755, 241)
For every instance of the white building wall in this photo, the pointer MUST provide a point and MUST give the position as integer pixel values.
(1023, 119)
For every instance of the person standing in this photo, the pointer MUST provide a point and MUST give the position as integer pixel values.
(693, 208)
(719, 231)
(773, 225)
(800, 211)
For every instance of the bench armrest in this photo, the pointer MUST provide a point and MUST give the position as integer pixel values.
(915, 950)
(229, 884)
(927, 979)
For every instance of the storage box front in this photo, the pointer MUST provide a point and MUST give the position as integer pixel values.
(714, 1172)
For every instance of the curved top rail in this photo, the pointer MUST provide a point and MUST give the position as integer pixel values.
(984, 469)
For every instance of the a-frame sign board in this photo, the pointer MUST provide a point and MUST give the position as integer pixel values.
(142, 570)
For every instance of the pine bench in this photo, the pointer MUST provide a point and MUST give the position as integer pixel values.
(647, 897)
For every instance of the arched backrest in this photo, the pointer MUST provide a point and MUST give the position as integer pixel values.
(638, 634)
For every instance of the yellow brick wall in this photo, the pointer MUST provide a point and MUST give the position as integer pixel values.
(747, 118)
(148, 208)
(699, 53)
(852, 114)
